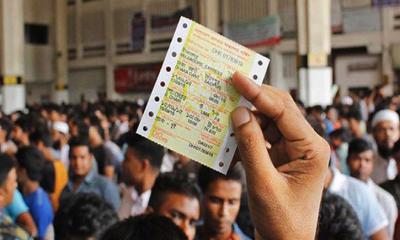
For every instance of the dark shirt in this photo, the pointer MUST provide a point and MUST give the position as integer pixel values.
(94, 183)
(102, 158)
(393, 187)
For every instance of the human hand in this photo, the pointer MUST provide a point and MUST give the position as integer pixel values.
(285, 162)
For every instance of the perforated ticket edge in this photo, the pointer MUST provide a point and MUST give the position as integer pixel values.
(227, 150)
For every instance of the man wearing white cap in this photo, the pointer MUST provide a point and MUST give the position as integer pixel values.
(385, 127)
(60, 136)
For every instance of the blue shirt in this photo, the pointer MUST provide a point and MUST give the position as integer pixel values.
(95, 183)
(16, 207)
(235, 228)
(362, 199)
(40, 209)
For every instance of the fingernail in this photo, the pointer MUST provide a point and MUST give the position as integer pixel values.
(268, 145)
(240, 116)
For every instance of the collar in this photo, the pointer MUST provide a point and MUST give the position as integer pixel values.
(338, 180)
(87, 180)
(91, 175)
(371, 183)
(143, 198)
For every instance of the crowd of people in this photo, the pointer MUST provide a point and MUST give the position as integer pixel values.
(82, 172)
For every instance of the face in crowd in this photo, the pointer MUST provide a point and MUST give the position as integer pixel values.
(8, 188)
(361, 164)
(183, 210)
(221, 205)
(386, 133)
(81, 160)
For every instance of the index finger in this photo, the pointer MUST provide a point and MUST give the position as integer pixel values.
(275, 104)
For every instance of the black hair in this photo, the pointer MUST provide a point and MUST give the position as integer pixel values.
(355, 114)
(7, 126)
(318, 109)
(43, 136)
(83, 215)
(32, 160)
(173, 182)
(146, 149)
(358, 145)
(79, 141)
(6, 165)
(337, 220)
(150, 226)
(24, 122)
(340, 133)
(207, 176)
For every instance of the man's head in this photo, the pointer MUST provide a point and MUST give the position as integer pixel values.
(337, 219)
(60, 132)
(385, 125)
(221, 201)
(83, 216)
(30, 164)
(8, 180)
(337, 137)
(81, 159)
(149, 226)
(22, 127)
(175, 195)
(355, 119)
(142, 161)
(6, 127)
(360, 159)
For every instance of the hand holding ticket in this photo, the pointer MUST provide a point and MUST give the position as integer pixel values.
(189, 108)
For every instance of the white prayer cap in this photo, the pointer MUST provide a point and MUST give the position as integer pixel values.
(61, 127)
(385, 115)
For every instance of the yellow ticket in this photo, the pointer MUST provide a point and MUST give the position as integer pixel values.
(190, 105)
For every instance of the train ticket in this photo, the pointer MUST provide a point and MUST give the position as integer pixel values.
(189, 108)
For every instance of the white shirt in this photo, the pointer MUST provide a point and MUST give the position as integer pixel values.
(384, 170)
(64, 155)
(168, 163)
(387, 202)
(362, 199)
(133, 204)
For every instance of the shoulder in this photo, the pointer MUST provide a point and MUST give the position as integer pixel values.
(239, 232)
(11, 231)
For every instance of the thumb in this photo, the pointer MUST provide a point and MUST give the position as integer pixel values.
(252, 148)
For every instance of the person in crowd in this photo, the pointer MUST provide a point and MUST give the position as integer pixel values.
(21, 130)
(357, 125)
(60, 137)
(360, 161)
(55, 175)
(385, 128)
(393, 186)
(8, 184)
(83, 216)
(331, 120)
(100, 151)
(337, 220)
(84, 177)
(30, 164)
(339, 143)
(18, 211)
(221, 203)
(364, 202)
(149, 226)
(176, 195)
(140, 167)
(6, 145)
